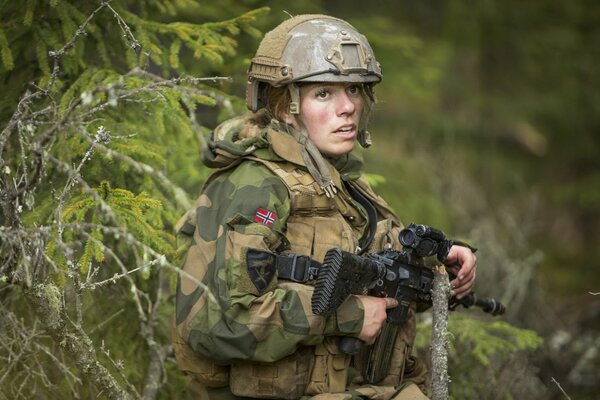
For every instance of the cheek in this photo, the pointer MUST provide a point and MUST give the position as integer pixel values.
(360, 108)
(316, 114)
(315, 119)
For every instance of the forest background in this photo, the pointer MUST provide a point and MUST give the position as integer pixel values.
(487, 127)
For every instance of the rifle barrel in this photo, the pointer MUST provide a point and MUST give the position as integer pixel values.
(488, 305)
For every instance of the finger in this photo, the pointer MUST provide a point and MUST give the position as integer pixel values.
(461, 259)
(463, 288)
(463, 277)
(390, 302)
(467, 268)
(455, 254)
(465, 282)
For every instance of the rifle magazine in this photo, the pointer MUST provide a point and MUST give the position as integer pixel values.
(374, 360)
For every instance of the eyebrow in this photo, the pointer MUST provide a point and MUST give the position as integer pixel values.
(310, 86)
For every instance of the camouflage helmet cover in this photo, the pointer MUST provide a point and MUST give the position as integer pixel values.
(310, 48)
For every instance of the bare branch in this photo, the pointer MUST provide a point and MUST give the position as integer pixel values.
(58, 54)
(46, 301)
(135, 45)
(116, 277)
(561, 389)
(118, 365)
(439, 335)
(175, 83)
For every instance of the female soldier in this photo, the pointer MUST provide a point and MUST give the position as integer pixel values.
(287, 189)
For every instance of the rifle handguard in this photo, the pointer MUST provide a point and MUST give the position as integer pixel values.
(342, 274)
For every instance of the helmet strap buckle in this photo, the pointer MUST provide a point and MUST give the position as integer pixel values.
(295, 96)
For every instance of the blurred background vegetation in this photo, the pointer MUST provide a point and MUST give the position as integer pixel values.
(487, 126)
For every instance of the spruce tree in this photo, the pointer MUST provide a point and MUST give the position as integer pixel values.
(99, 150)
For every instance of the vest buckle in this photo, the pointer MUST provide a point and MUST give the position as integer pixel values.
(302, 269)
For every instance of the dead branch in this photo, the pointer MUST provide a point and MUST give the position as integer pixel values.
(46, 301)
(439, 335)
(561, 389)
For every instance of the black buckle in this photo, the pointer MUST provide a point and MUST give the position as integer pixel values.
(302, 270)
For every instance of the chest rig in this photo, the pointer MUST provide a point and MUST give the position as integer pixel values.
(316, 222)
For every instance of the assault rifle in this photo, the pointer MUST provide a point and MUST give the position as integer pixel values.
(402, 275)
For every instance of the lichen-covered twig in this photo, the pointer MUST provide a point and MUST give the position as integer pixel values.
(439, 336)
(46, 300)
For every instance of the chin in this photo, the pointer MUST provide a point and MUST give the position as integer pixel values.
(338, 152)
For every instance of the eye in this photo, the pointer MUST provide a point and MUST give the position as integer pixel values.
(322, 93)
(353, 90)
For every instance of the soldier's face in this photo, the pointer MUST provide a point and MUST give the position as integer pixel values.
(331, 114)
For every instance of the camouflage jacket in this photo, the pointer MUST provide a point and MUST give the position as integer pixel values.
(262, 197)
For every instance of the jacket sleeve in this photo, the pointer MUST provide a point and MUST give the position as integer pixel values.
(228, 310)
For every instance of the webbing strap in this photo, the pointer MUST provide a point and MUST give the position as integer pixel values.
(293, 267)
(367, 238)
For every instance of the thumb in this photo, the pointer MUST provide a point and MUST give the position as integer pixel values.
(390, 302)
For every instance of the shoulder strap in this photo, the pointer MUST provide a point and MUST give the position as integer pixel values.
(305, 193)
(294, 267)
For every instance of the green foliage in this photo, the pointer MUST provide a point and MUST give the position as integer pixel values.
(481, 353)
(139, 213)
(375, 179)
(484, 339)
(7, 57)
(101, 154)
(208, 42)
(116, 35)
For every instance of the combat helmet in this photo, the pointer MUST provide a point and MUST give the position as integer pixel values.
(313, 48)
(310, 48)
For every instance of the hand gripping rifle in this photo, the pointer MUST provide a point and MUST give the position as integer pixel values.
(402, 275)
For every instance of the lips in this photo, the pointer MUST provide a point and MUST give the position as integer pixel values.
(346, 130)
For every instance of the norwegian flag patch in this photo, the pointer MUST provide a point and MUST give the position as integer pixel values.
(265, 217)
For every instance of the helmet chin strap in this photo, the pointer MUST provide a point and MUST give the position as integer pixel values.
(313, 159)
(295, 96)
(316, 164)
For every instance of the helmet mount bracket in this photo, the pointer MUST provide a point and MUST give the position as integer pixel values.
(348, 56)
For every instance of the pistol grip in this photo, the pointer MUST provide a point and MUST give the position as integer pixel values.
(350, 345)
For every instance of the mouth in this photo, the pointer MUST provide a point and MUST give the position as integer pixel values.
(346, 130)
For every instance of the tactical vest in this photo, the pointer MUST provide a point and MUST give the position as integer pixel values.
(316, 224)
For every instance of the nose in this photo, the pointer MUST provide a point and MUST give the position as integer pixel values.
(345, 104)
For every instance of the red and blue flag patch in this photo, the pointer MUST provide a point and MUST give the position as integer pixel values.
(265, 217)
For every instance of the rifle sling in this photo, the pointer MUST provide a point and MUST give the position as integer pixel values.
(365, 241)
(294, 267)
